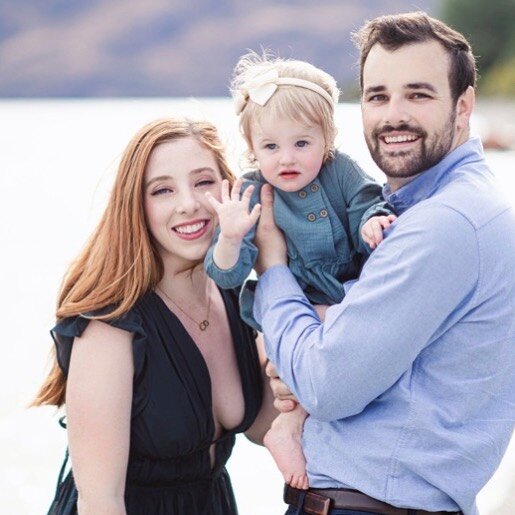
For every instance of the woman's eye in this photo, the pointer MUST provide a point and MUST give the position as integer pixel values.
(205, 182)
(302, 143)
(161, 191)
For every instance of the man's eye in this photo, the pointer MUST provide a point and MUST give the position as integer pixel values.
(377, 98)
(418, 96)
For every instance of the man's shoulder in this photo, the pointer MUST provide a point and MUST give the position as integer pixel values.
(474, 194)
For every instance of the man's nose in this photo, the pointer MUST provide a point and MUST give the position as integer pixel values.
(397, 112)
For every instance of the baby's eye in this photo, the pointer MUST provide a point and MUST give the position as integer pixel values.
(302, 143)
(270, 146)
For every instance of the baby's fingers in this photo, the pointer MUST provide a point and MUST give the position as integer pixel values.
(386, 221)
(236, 188)
(367, 233)
(214, 203)
(247, 194)
(377, 228)
(254, 214)
(225, 191)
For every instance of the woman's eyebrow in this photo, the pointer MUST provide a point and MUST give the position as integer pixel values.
(159, 178)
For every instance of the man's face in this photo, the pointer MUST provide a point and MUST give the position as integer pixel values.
(409, 117)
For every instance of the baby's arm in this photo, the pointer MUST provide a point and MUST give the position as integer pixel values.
(235, 222)
(362, 196)
(372, 229)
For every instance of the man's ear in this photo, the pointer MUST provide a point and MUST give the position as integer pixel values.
(464, 108)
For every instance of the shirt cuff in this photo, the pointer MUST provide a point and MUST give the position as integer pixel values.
(277, 282)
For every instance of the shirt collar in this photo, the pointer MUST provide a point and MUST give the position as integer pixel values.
(425, 184)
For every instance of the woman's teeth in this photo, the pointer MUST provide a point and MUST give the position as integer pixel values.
(190, 229)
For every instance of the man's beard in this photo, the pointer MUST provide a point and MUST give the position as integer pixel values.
(404, 164)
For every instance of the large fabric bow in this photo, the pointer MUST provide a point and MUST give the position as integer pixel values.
(259, 90)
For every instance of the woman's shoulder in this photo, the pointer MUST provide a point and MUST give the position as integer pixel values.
(67, 329)
(74, 326)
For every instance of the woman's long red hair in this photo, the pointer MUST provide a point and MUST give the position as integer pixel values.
(120, 262)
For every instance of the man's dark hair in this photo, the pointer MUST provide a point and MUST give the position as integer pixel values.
(394, 31)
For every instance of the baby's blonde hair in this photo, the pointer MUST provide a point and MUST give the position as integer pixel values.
(299, 104)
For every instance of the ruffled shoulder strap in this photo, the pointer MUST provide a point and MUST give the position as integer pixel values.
(67, 329)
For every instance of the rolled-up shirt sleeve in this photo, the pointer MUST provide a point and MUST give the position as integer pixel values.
(419, 278)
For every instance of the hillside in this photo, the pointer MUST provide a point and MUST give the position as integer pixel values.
(54, 48)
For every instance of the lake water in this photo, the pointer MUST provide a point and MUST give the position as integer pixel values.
(57, 160)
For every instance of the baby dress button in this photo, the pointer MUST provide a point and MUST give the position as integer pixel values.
(312, 217)
(324, 213)
(302, 194)
(314, 188)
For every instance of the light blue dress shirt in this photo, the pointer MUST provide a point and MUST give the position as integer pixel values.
(410, 381)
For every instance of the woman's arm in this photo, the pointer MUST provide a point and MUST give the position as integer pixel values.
(256, 432)
(98, 406)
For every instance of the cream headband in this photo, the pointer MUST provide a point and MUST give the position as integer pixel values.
(261, 89)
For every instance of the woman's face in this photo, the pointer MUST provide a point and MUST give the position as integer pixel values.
(179, 217)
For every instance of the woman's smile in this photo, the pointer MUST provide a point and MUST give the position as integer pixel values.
(192, 230)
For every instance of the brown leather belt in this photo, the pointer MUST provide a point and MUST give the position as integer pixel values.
(320, 502)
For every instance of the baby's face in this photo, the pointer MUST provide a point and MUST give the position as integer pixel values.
(289, 154)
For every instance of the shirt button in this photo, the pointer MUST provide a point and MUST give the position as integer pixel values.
(302, 194)
(323, 213)
(312, 217)
(314, 188)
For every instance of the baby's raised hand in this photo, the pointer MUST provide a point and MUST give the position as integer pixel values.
(233, 210)
(372, 230)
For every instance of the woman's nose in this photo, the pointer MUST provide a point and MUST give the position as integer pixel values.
(187, 202)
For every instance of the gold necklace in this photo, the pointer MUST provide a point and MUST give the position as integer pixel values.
(203, 324)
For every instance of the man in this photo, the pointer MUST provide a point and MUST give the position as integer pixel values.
(410, 381)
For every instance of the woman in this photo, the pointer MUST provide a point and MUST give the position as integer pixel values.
(156, 368)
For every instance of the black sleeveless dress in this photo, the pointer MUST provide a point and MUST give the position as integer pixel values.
(169, 470)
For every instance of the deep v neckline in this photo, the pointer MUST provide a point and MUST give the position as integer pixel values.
(232, 316)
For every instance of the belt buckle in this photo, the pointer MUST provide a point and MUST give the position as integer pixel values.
(316, 504)
(312, 503)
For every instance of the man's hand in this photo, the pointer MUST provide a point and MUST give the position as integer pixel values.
(284, 400)
(269, 238)
(372, 230)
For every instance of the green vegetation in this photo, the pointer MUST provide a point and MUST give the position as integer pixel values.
(490, 28)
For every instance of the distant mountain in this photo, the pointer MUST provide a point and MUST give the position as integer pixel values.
(55, 48)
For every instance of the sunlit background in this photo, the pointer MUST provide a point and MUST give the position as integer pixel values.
(77, 79)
